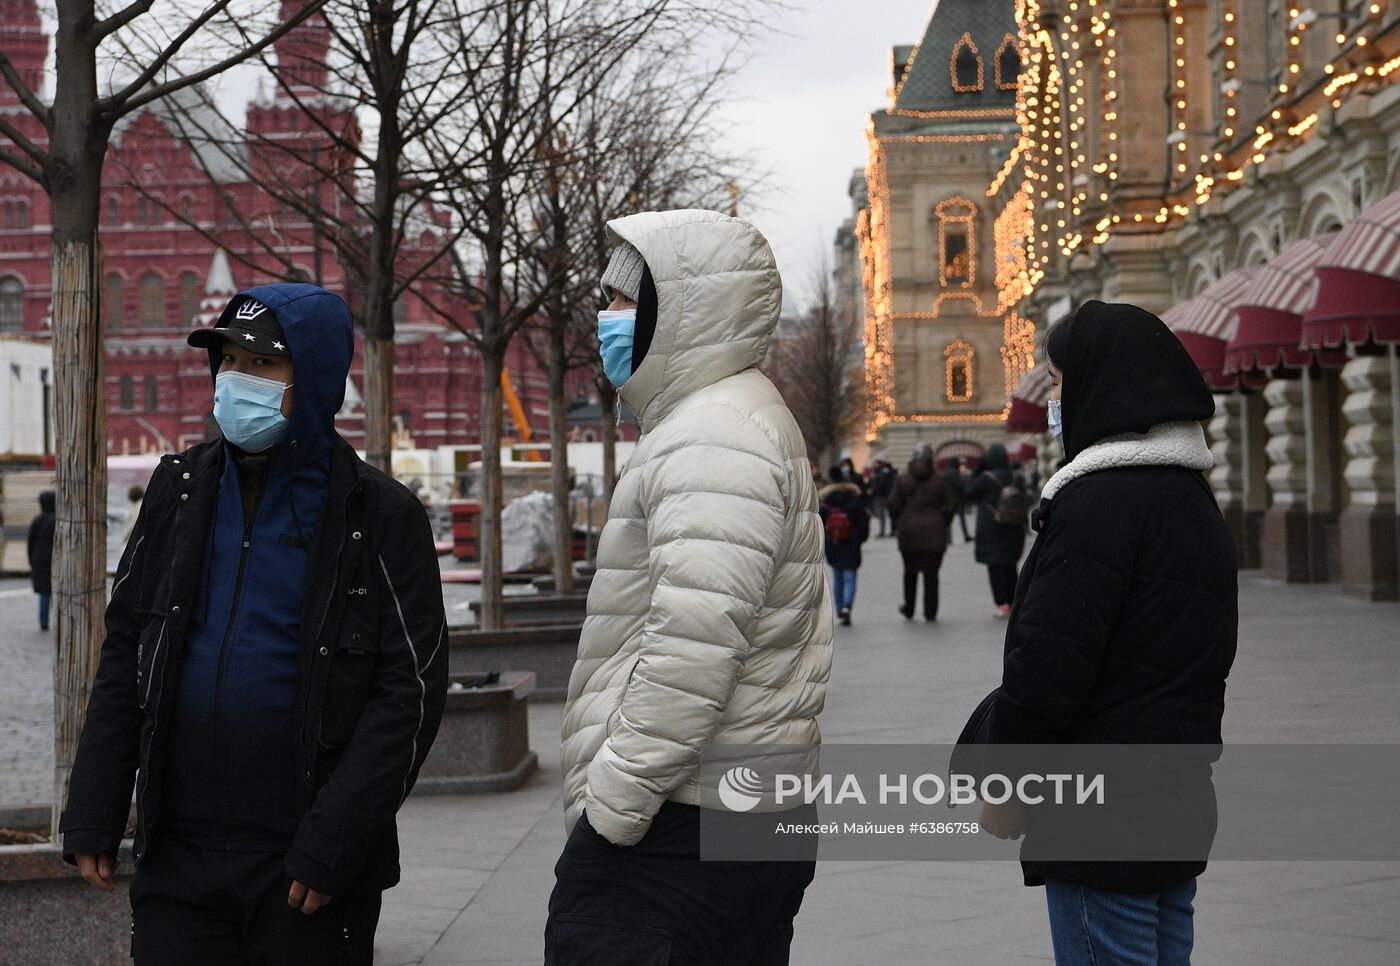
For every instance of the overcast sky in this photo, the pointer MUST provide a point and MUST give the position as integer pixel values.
(806, 96)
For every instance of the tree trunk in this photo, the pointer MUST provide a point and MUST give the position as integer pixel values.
(608, 395)
(379, 400)
(492, 361)
(80, 537)
(559, 465)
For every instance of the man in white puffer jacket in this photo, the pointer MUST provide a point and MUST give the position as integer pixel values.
(709, 618)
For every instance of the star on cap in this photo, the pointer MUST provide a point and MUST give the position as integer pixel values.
(249, 336)
(278, 345)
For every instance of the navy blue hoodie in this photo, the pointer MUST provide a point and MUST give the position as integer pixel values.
(233, 780)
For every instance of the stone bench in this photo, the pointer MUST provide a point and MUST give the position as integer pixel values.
(51, 917)
(532, 609)
(549, 651)
(483, 744)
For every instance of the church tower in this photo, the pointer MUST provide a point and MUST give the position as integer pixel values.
(942, 356)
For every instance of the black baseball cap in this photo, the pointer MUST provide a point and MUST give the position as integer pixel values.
(245, 322)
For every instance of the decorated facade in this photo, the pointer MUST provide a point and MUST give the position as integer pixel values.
(943, 348)
(1244, 187)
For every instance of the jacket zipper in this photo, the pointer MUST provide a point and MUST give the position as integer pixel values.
(232, 622)
(320, 629)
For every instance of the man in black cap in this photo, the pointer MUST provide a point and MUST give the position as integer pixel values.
(274, 669)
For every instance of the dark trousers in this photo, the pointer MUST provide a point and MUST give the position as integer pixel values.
(1003, 583)
(657, 903)
(926, 564)
(44, 611)
(879, 509)
(204, 907)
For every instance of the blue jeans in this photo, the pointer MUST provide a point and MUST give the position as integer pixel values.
(44, 611)
(1095, 927)
(843, 588)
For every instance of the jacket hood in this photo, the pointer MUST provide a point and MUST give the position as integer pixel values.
(921, 467)
(1123, 371)
(838, 494)
(46, 501)
(718, 299)
(995, 458)
(321, 337)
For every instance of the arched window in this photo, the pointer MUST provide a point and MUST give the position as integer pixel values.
(957, 243)
(11, 304)
(189, 297)
(400, 309)
(152, 301)
(152, 387)
(21, 214)
(114, 211)
(142, 209)
(957, 371)
(1008, 64)
(7, 214)
(966, 66)
(128, 393)
(113, 302)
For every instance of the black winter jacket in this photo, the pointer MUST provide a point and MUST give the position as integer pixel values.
(1124, 626)
(845, 555)
(371, 681)
(40, 545)
(998, 544)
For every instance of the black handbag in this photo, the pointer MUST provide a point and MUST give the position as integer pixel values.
(967, 757)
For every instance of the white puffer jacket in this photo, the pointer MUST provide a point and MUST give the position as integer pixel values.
(709, 618)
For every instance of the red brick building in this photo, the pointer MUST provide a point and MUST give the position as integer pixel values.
(160, 274)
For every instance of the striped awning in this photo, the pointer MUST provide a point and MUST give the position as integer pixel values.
(1028, 401)
(1206, 323)
(1269, 315)
(1358, 283)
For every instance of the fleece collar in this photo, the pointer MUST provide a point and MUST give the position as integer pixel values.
(1168, 444)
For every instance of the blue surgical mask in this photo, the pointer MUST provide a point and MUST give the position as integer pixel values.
(249, 410)
(1054, 417)
(616, 330)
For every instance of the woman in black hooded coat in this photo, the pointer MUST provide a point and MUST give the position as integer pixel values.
(1125, 621)
(999, 545)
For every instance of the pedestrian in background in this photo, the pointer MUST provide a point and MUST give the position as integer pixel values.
(41, 555)
(847, 526)
(922, 501)
(955, 478)
(1126, 618)
(845, 472)
(1002, 516)
(881, 488)
(134, 496)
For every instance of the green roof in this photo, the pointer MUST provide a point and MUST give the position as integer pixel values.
(928, 83)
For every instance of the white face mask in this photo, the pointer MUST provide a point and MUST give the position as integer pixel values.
(1054, 418)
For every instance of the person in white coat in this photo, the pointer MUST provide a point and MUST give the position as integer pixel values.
(709, 617)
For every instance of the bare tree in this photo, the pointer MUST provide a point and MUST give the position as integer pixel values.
(639, 140)
(367, 198)
(78, 126)
(530, 64)
(816, 363)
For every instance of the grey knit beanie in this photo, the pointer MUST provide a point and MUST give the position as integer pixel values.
(624, 272)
